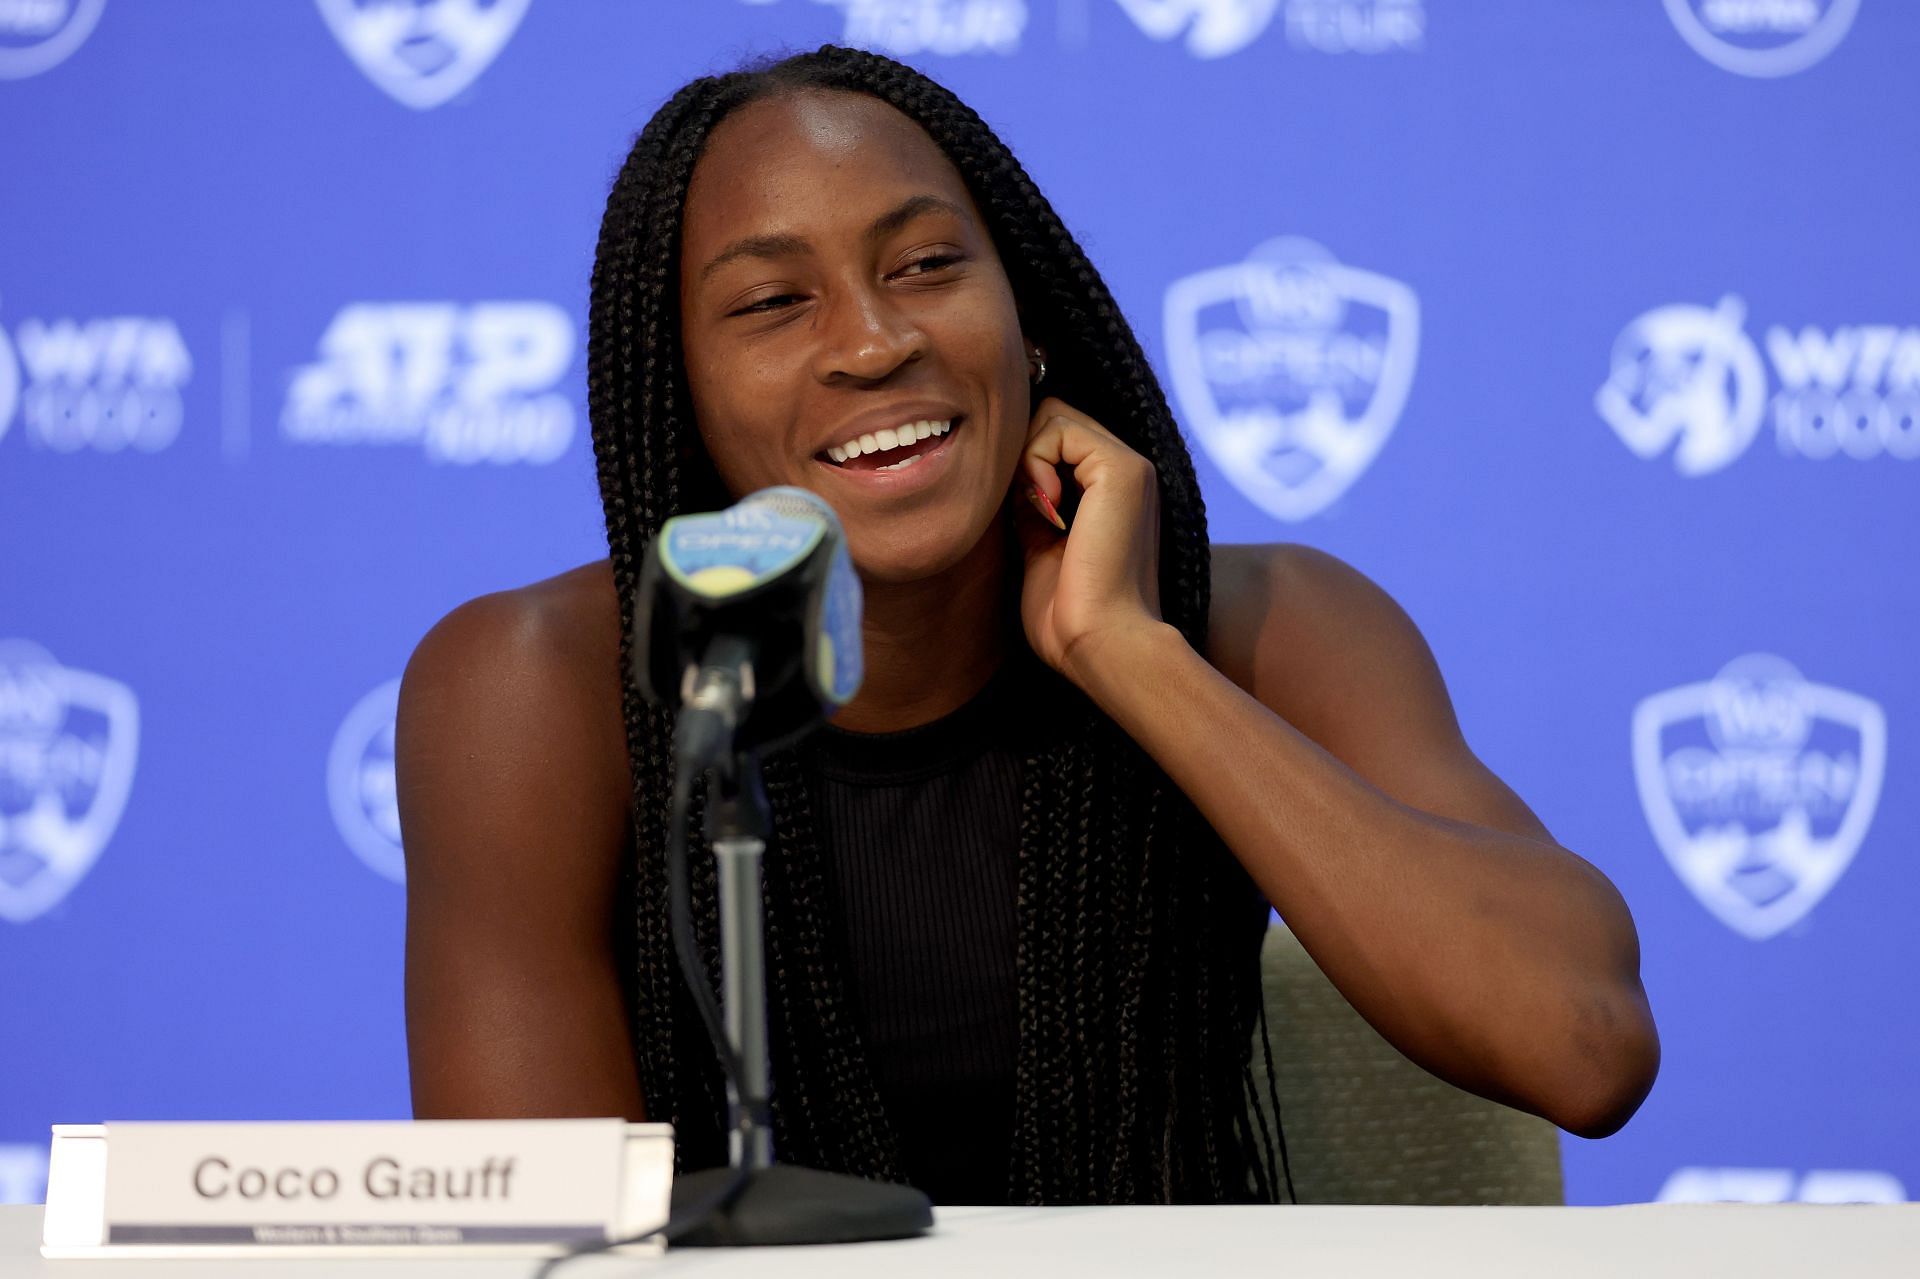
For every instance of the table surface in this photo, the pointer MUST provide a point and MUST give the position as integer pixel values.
(1642, 1241)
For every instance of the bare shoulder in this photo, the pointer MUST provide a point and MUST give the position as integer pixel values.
(1294, 624)
(519, 688)
(511, 766)
(1331, 652)
(564, 628)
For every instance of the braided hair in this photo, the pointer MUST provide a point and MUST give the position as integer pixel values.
(1138, 934)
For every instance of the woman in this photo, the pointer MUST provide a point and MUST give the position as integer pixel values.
(828, 272)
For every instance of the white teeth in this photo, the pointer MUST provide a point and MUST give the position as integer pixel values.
(889, 438)
(902, 464)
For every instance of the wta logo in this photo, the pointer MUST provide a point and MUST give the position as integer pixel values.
(360, 782)
(1291, 368)
(464, 384)
(38, 35)
(1689, 378)
(1763, 37)
(423, 52)
(68, 743)
(104, 385)
(1759, 787)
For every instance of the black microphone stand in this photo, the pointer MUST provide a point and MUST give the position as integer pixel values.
(778, 1203)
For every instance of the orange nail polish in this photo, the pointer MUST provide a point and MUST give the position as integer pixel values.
(1043, 504)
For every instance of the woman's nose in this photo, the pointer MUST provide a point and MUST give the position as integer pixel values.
(866, 336)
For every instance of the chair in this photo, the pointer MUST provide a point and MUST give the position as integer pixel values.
(1366, 1125)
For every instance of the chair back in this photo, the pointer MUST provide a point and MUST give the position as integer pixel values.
(1365, 1125)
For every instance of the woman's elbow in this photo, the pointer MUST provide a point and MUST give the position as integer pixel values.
(1617, 1070)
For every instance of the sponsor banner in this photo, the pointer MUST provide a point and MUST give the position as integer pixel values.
(69, 740)
(38, 35)
(360, 784)
(1690, 378)
(1763, 37)
(1216, 28)
(106, 384)
(1291, 368)
(461, 383)
(1759, 787)
(1781, 1185)
(423, 53)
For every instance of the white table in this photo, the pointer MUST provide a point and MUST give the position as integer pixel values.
(1640, 1241)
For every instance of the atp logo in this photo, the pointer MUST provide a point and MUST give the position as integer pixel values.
(1690, 377)
(423, 52)
(1759, 787)
(1781, 1185)
(38, 35)
(465, 384)
(360, 785)
(106, 385)
(69, 740)
(1292, 369)
(1763, 37)
(1216, 28)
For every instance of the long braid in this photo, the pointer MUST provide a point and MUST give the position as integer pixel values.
(1135, 1001)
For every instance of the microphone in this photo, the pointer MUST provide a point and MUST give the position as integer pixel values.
(749, 624)
(751, 615)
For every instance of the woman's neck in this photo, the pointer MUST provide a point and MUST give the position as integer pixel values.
(932, 644)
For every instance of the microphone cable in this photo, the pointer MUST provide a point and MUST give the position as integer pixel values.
(701, 736)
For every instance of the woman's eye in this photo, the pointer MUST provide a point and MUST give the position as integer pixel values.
(765, 304)
(932, 262)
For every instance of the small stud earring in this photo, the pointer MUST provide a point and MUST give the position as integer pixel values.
(1038, 361)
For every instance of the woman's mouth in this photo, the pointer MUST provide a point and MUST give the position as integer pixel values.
(886, 455)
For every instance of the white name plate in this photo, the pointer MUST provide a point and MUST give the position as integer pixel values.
(216, 1189)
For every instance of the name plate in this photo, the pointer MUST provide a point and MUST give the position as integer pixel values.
(529, 1186)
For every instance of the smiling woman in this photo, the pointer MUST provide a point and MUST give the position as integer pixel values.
(1017, 890)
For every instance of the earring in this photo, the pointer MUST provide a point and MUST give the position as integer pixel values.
(1037, 360)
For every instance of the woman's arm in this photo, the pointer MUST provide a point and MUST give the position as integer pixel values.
(1424, 888)
(510, 758)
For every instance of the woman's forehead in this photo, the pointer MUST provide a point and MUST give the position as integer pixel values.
(810, 156)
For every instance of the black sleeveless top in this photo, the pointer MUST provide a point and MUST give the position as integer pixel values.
(920, 830)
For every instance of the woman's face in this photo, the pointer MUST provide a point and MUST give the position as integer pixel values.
(837, 282)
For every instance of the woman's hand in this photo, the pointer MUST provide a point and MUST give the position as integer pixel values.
(1101, 580)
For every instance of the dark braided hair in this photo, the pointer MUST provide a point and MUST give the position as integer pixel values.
(1139, 933)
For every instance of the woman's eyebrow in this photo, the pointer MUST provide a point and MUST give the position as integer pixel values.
(776, 246)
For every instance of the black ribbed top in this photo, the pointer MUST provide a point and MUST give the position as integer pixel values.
(921, 831)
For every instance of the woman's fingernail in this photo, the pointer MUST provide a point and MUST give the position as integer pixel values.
(1043, 504)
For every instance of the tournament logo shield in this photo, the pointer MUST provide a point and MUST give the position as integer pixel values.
(360, 782)
(1292, 369)
(1686, 373)
(423, 52)
(68, 743)
(1759, 788)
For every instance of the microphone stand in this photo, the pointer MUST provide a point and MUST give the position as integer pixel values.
(779, 1203)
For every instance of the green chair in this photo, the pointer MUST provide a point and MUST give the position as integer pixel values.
(1366, 1125)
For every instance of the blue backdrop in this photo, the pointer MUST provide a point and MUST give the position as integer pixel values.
(1589, 329)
